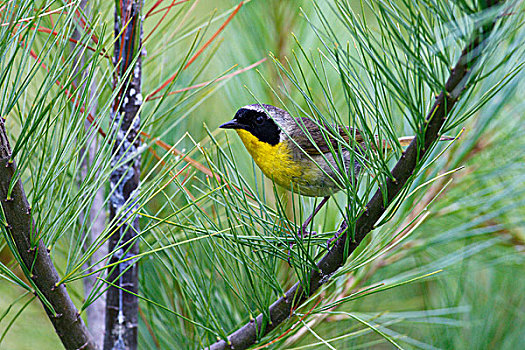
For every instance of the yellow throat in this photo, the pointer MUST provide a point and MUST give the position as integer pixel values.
(276, 162)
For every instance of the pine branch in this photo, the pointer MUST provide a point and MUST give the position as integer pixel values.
(20, 228)
(122, 307)
(411, 159)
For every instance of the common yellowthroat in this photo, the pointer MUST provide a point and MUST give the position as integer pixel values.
(294, 159)
(286, 153)
(296, 153)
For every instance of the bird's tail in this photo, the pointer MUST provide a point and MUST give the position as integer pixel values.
(405, 140)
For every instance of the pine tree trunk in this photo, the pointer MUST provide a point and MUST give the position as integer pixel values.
(121, 306)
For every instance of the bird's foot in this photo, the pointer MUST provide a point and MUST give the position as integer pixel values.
(342, 229)
(301, 234)
(331, 240)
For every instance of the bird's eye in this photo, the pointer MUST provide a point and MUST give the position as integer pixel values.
(260, 120)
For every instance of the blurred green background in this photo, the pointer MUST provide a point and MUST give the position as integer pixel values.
(473, 238)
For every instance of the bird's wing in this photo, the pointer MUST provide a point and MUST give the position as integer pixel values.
(319, 137)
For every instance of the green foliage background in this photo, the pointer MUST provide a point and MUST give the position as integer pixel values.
(455, 282)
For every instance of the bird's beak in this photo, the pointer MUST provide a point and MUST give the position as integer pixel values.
(232, 124)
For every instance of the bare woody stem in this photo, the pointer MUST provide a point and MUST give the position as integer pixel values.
(37, 265)
(411, 159)
(122, 307)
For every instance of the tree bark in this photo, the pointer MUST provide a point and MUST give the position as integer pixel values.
(121, 306)
(34, 257)
(281, 309)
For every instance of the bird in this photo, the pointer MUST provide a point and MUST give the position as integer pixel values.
(302, 155)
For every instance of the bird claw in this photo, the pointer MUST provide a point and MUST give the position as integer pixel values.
(336, 235)
(331, 240)
(302, 233)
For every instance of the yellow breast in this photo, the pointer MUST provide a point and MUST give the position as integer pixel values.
(276, 162)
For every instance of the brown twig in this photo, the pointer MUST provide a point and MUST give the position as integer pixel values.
(35, 259)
